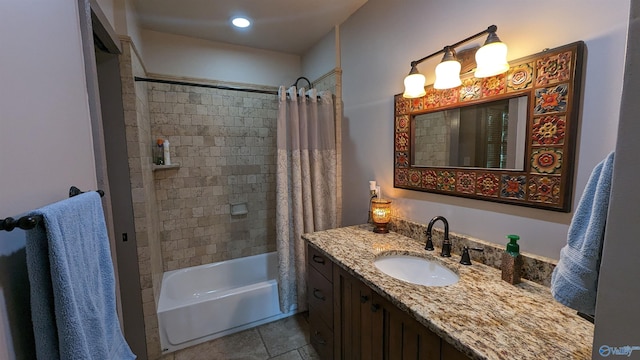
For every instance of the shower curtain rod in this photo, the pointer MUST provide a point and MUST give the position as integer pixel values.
(302, 78)
(220, 87)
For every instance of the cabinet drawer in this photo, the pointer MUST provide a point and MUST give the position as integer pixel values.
(320, 294)
(320, 262)
(321, 337)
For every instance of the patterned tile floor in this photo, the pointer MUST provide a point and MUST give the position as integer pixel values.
(285, 339)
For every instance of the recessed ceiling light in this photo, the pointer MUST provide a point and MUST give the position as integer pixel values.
(240, 22)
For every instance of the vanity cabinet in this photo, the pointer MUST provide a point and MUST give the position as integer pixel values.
(448, 352)
(373, 328)
(320, 298)
(351, 321)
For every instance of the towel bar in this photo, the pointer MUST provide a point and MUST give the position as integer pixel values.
(73, 191)
(24, 223)
(29, 222)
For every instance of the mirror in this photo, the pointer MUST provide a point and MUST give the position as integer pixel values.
(508, 138)
(486, 135)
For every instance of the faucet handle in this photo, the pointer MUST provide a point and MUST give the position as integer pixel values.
(466, 259)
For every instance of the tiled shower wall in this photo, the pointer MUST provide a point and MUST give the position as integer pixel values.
(224, 142)
(326, 82)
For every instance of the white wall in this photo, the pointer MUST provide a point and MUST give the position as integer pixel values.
(46, 133)
(45, 137)
(182, 56)
(383, 37)
(128, 24)
(109, 9)
(123, 19)
(321, 58)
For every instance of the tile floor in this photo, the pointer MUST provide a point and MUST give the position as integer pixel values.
(285, 339)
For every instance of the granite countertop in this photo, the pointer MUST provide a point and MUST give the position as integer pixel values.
(481, 315)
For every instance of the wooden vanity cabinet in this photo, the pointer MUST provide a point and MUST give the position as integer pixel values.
(373, 328)
(352, 321)
(448, 352)
(320, 297)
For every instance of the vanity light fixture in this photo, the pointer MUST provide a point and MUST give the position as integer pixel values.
(491, 60)
(381, 215)
(414, 83)
(448, 71)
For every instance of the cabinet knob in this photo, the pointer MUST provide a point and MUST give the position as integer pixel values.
(317, 293)
(375, 307)
(318, 259)
(364, 298)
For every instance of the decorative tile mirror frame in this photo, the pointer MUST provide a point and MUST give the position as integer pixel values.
(552, 82)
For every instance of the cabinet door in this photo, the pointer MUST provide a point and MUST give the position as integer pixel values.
(402, 337)
(354, 329)
(451, 353)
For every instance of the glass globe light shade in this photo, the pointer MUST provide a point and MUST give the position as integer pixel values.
(491, 60)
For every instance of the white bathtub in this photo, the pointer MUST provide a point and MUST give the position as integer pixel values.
(205, 302)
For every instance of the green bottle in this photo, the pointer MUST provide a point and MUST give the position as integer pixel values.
(512, 261)
(512, 247)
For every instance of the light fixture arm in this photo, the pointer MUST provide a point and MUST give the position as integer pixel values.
(416, 62)
(489, 30)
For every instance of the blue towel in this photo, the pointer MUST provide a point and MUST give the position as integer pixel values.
(72, 283)
(574, 281)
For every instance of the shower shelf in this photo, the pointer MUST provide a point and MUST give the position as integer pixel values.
(165, 167)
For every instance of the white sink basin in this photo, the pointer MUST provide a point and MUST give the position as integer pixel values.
(416, 270)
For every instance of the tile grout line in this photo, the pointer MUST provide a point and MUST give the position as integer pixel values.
(263, 342)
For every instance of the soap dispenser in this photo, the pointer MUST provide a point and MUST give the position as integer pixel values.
(512, 261)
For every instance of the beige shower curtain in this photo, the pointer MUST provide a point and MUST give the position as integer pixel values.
(305, 184)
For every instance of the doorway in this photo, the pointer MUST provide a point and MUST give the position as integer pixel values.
(101, 48)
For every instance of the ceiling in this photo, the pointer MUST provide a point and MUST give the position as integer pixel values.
(290, 26)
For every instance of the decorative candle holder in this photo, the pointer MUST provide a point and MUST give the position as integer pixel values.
(381, 215)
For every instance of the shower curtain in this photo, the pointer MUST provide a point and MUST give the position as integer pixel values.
(305, 184)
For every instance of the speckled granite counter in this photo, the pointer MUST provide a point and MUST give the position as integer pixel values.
(481, 315)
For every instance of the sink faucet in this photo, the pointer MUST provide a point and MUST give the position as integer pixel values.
(446, 244)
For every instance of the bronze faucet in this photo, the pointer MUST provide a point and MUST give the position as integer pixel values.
(446, 244)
